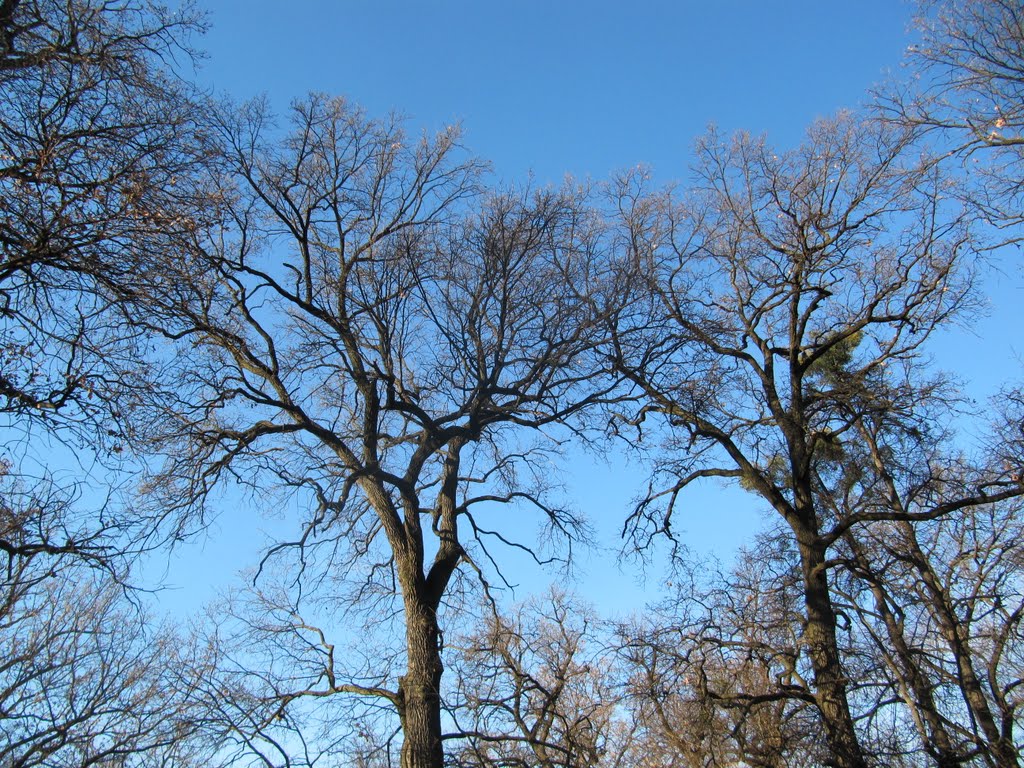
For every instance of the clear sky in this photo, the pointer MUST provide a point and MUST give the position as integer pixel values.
(570, 87)
(566, 86)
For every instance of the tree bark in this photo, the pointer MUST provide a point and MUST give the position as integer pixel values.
(830, 684)
(420, 687)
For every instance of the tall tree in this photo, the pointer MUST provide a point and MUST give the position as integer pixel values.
(99, 164)
(363, 337)
(780, 269)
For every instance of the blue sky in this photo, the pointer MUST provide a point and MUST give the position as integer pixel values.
(582, 88)
(566, 86)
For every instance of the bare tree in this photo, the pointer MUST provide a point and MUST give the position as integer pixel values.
(84, 678)
(535, 688)
(100, 171)
(83, 682)
(716, 676)
(938, 587)
(779, 269)
(929, 607)
(968, 77)
(281, 680)
(98, 165)
(362, 338)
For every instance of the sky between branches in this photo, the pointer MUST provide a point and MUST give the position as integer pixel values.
(545, 89)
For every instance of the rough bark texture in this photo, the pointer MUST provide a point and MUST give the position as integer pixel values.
(419, 689)
(822, 648)
(820, 630)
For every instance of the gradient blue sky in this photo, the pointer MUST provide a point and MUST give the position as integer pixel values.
(566, 86)
(582, 88)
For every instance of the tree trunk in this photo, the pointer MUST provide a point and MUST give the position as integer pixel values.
(823, 649)
(918, 691)
(914, 686)
(420, 687)
(1001, 749)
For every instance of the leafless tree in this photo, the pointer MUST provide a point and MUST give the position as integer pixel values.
(100, 171)
(940, 594)
(929, 609)
(779, 270)
(84, 678)
(280, 680)
(535, 688)
(968, 78)
(715, 672)
(98, 164)
(372, 337)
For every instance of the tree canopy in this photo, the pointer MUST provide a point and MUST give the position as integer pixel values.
(346, 323)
